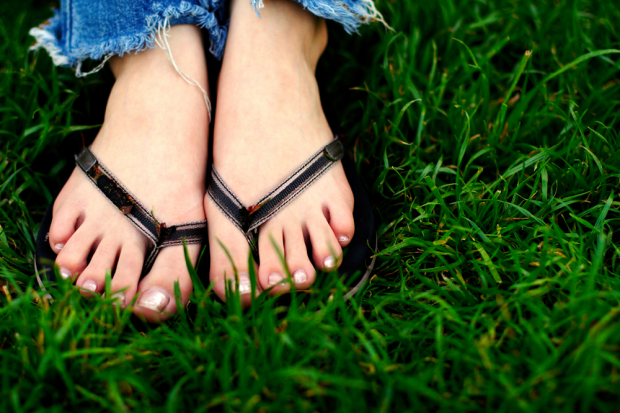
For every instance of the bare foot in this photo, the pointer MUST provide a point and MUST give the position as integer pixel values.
(154, 140)
(269, 121)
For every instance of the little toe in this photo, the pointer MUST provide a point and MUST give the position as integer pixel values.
(326, 250)
(73, 257)
(271, 271)
(342, 223)
(128, 271)
(63, 226)
(301, 269)
(92, 279)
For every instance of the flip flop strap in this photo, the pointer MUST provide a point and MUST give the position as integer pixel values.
(160, 234)
(248, 219)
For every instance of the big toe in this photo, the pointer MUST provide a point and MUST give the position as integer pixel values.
(230, 258)
(157, 301)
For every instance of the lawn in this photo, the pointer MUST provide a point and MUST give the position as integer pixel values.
(486, 132)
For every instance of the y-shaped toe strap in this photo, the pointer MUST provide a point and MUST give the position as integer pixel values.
(248, 219)
(158, 232)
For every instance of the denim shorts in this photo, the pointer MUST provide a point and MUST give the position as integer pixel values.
(100, 29)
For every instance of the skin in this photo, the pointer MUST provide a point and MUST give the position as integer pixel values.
(269, 104)
(154, 140)
(269, 120)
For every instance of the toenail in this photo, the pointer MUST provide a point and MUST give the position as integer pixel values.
(155, 299)
(343, 238)
(275, 278)
(65, 273)
(59, 246)
(90, 285)
(120, 297)
(300, 276)
(245, 286)
(329, 262)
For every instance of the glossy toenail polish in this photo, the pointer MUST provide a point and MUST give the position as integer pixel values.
(120, 298)
(329, 262)
(300, 276)
(155, 299)
(245, 286)
(343, 238)
(65, 273)
(275, 278)
(58, 246)
(90, 285)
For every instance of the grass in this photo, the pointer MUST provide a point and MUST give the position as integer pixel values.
(487, 134)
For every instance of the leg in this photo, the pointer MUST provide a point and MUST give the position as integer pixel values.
(269, 120)
(154, 139)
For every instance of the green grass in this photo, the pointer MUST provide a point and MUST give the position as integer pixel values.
(487, 134)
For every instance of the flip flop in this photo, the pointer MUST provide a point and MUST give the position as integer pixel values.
(160, 234)
(358, 261)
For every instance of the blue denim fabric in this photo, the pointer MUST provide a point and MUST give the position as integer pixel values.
(350, 13)
(99, 29)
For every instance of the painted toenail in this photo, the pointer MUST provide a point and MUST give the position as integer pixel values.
(65, 273)
(275, 278)
(90, 285)
(155, 299)
(245, 286)
(59, 246)
(329, 262)
(343, 238)
(120, 297)
(300, 276)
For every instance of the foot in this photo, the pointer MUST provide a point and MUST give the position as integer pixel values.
(269, 121)
(154, 140)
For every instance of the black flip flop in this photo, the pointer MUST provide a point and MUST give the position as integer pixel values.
(160, 234)
(358, 261)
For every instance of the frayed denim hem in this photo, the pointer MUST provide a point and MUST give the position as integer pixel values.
(47, 36)
(100, 29)
(50, 35)
(350, 13)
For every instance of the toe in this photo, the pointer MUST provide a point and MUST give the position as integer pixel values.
(326, 251)
(156, 301)
(301, 269)
(73, 257)
(230, 268)
(341, 222)
(63, 226)
(229, 256)
(92, 279)
(272, 272)
(128, 270)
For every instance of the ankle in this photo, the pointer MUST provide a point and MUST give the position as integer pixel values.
(285, 32)
(152, 69)
(318, 42)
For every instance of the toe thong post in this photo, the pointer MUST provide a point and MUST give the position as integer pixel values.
(156, 231)
(249, 219)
